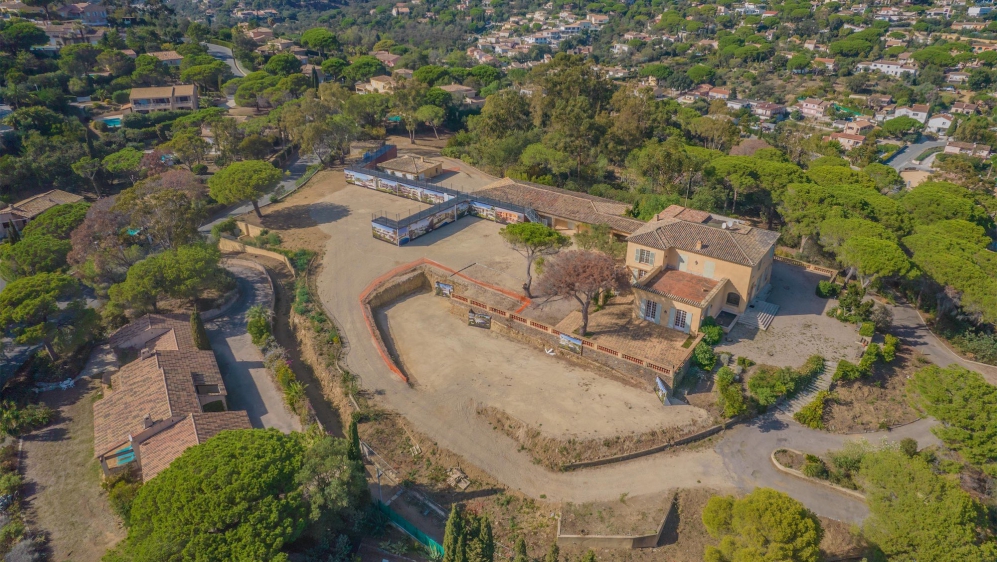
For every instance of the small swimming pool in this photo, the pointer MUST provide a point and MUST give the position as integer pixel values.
(111, 121)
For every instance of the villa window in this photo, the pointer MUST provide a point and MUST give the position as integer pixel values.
(644, 256)
(733, 299)
(681, 319)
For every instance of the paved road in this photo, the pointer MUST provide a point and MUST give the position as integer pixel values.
(294, 170)
(225, 54)
(250, 387)
(909, 326)
(746, 454)
(905, 158)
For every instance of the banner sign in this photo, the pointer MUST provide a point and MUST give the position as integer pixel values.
(444, 289)
(574, 345)
(479, 320)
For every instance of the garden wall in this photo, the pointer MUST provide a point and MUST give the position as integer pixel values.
(617, 542)
(226, 244)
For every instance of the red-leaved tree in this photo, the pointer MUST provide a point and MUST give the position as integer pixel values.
(582, 275)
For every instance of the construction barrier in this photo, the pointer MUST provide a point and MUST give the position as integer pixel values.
(435, 548)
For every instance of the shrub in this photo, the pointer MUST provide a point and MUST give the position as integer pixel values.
(869, 358)
(848, 372)
(908, 446)
(121, 491)
(200, 336)
(812, 415)
(768, 386)
(732, 401)
(704, 356)
(10, 483)
(744, 362)
(827, 290)
(259, 329)
(121, 97)
(881, 317)
(226, 226)
(867, 330)
(725, 377)
(890, 345)
(813, 366)
(815, 468)
(199, 169)
(712, 334)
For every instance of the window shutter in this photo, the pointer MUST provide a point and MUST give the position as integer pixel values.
(657, 315)
(671, 317)
(650, 258)
(643, 308)
(637, 255)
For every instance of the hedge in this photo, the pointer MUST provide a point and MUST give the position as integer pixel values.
(812, 415)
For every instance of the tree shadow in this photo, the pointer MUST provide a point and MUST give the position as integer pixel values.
(304, 216)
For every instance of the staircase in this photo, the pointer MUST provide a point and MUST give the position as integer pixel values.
(809, 392)
(532, 215)
(759, 314)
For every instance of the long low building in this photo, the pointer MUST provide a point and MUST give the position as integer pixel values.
(164, 98)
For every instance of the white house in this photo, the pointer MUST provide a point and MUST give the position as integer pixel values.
(918, 112)
(940, 123)
(890, 68)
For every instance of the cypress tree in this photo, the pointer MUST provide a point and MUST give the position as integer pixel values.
(200, 336)
(461, 553)
(554, 554)
(486, 539)
(520, 551)
(452, 535)
(13, 236)
(353, 453)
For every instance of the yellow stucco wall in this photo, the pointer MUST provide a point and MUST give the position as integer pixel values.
(742, 279)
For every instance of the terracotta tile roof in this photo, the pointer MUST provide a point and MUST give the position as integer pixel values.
(158, 451)
(138, 391)
(34, 206)
(683, 213)
(739, 244)
(684, 287)
(166, 55)
(562, 203)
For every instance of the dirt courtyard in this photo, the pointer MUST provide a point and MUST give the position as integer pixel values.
(467, 367)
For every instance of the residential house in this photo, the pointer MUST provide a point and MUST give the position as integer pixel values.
(968, 149)
(169, 58)
(170, 398)
(890, 68)
(813, 107)
(89, 14)
(386, 58)
(859, 127)
(688, 264)
(412, 167)
(314, 72)
(957, 77)
(377, 85)
(598, 19)
(459, 93)
(164, 98)
(403, 73)
(260, 34)
(978, 11)
(565, 211)
(768, 110)
(940, 123)
(718, 93)
(847, 141)
(964, 108)
(18, 9)
(968, 25)
(877, 101)
(24, 211)
(399, 11)
(918, 112)
(827, 63)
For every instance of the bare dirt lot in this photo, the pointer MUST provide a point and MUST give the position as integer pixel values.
(63, 494)
(874, 403)
(466, 365)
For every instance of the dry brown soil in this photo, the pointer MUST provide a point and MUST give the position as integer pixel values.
(874, 403)
(63, 494)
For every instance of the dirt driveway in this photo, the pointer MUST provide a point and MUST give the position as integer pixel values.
(468, 367)
(63, 493)
(799, 330)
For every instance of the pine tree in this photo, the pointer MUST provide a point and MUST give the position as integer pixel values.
(452, 535)
(520, 550)
(353, 453)
(200, 336)
(554, 554)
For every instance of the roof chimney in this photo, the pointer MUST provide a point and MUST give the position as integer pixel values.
(699, 244)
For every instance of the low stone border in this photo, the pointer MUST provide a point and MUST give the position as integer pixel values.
(621, 542)
(800, 475)
(708, 432)
(227, 303)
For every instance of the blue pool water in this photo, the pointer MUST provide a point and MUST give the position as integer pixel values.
(112, 121)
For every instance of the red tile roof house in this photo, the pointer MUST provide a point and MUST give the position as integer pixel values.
(170, 398)
(21, 213)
